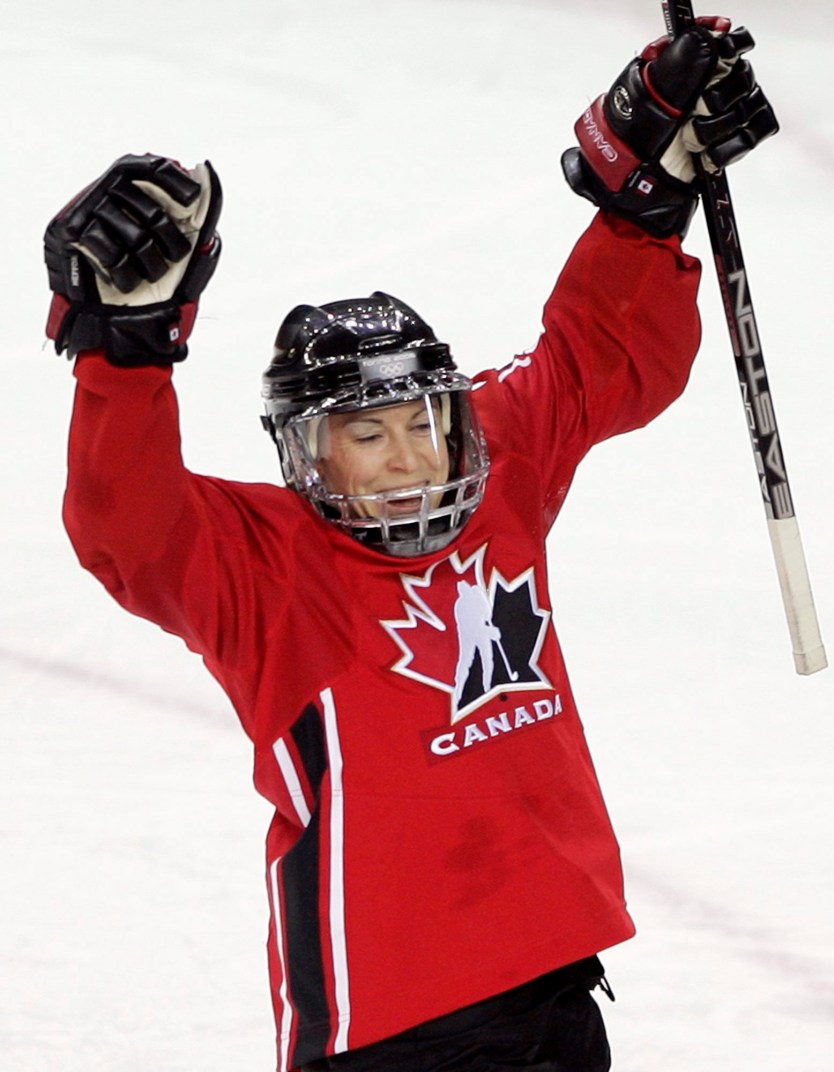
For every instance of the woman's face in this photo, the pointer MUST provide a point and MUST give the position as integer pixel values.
(392, 448)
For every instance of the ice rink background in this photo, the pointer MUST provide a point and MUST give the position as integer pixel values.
(413, 146)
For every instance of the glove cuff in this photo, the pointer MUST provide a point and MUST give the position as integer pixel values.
(650, 198)
(129, 337)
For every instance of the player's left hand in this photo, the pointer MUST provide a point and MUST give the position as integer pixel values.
(682, 101)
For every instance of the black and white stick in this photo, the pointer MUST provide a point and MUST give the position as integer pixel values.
(808, 650)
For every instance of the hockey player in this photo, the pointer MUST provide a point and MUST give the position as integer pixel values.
(442, 872)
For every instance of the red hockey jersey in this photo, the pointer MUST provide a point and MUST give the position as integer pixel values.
(439, 834)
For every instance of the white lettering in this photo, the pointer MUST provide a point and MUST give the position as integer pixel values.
(740, 278)
(444, 745)
(764, 412)
(472, 734)
(543, 709)
(522, 717)
(494, 726)
(498, 724)
(757, 401)
(598, 138)
(773, 458)
(748, 335)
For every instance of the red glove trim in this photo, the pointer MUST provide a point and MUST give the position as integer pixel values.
(653, 93)
(609, 157)
(188, 314)
(717, 23)
(58, 309)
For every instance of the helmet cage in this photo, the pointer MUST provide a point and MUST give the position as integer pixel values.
(374, 519)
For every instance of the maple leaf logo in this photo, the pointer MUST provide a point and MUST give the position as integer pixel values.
(470, 638)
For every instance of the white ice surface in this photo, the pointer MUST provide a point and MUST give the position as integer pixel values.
(413, 146)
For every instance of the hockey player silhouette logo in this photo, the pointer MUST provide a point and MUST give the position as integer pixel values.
(470, 638)
(476, 636)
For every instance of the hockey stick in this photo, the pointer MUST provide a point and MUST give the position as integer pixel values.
(513, 673)
(808, 650)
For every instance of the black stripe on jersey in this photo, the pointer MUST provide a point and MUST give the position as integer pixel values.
(305, 964)
(308, 736)
(299, 877)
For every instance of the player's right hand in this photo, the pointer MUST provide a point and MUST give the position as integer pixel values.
(128, 258)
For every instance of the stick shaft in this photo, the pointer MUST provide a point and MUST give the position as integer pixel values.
(809, 653)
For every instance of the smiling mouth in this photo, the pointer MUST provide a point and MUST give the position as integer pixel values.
(402, 500)
(408, 500)
(409, 505)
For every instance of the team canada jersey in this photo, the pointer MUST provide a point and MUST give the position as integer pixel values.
(439, 835)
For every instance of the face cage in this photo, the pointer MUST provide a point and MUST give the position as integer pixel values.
(428, 529)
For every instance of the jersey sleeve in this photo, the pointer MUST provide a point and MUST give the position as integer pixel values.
(621, 330)
(179, 549)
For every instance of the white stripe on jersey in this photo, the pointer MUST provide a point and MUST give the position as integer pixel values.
(517, 362)
(293, 782)
(337, 872)
(286, 1014)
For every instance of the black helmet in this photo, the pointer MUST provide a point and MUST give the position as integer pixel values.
(362, 354)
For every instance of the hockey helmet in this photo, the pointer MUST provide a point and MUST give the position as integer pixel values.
(374, 354)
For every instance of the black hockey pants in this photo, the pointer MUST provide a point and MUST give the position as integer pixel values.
(551, 1024)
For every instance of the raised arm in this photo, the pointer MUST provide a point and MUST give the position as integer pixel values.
(128, 259)
(621, 328)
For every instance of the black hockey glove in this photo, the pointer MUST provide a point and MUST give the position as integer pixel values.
(129, 257)
(692, 97)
